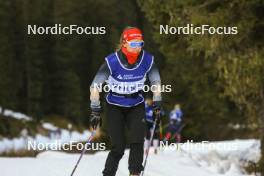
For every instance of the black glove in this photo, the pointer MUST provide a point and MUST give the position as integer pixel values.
(157, 110)
(157, 106)
(95, 118)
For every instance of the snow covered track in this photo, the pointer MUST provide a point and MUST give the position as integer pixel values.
(168, 162)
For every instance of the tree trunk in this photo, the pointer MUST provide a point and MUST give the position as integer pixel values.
(261, 163)
(2, 111)
(261, 116)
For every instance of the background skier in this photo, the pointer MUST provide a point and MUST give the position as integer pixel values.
(175, 124)
(150, 117)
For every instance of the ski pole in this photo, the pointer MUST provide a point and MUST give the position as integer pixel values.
(180, 128)
(149, 144)
(161, 130)
(83, 151)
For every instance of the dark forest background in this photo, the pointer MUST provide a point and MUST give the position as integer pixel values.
(218, 79)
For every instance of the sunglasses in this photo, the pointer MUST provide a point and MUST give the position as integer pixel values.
(136, 44)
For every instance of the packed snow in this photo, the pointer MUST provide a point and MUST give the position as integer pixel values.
(16, 115)
(199, 159)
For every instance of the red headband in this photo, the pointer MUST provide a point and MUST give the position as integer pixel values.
(132, 34)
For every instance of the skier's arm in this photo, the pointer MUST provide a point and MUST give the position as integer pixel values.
(154, 78)
(100, 77)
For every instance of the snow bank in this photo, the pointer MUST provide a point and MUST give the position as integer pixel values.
(169, 162)
(49, 126)
(16, 115)
(21, 143)
(225, 157)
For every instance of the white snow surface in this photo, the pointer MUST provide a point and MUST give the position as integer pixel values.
(186, 161)
(21, 143)
(49, 126)
(16, 115)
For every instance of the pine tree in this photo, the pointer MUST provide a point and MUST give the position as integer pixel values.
(8, 65)
(233, 64)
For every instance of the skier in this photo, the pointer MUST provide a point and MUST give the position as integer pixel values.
(175, 125)
(149, 126)
(125, 72)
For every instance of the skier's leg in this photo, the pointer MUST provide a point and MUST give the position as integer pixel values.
(148, 131)
(169, 133)
(115, 122)
(135, 158)
(155, 145)
(174, 138)
(136, 128)
(156, 140)
(178, 137)
(168, 136)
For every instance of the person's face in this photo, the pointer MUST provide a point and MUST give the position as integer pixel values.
(149, 102)
(133, 50)
(177, 106)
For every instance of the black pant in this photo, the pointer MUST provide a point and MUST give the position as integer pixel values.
(149, 130)
(133, 119)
